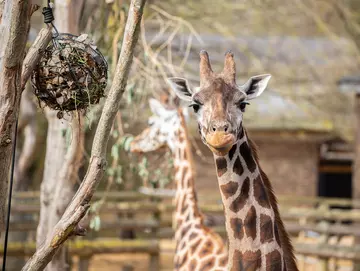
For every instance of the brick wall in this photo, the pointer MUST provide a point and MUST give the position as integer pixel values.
(290, 166)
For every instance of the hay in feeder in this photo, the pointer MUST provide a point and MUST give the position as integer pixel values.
(71, 75)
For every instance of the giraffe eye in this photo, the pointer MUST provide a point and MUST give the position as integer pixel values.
(242, 106)
(195, 106)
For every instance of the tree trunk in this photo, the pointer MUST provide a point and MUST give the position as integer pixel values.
(64, 189)
(56, 192)
(68, 224)
(28, 127)
(55, 144)
(13, 30)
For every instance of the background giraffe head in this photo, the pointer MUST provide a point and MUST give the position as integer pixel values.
(219, 102)
(161, 130)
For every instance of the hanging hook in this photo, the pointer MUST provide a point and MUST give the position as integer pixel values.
(49, 18)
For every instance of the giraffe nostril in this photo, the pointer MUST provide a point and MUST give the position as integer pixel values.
(214, 129)
(226, 127)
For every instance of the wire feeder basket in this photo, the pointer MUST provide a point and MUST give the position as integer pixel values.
(71, 75)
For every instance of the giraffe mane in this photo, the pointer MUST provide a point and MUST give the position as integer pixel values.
(284, 237)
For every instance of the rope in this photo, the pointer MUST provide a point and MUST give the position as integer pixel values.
(9, 197)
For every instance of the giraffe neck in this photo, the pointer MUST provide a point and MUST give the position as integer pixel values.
(187, 211)
(253, 223)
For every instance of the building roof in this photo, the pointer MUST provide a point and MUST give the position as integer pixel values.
(271, 111)
(304, 70)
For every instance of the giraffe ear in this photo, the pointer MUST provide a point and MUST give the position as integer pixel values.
(255, 86)
(157, 108)
(181, 87)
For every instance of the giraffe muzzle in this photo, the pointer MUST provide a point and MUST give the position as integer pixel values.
(220, 142)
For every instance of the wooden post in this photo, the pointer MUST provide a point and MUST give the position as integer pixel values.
(356, 163)
(323, 264)
(324, 238)
(154, 261)
(84, 263)
(154, 257)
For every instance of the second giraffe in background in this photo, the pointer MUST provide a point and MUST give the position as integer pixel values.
(197, 246)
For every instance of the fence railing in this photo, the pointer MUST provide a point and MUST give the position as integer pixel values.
(152, 221)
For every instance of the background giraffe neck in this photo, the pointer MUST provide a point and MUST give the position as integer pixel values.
(185, 197)
(255, 231)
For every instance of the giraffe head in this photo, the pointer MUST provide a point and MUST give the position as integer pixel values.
(219, 102)
(162, 126)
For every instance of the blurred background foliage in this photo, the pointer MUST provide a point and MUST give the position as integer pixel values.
(306, 45)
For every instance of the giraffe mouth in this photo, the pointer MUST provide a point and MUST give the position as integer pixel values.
(220, 143)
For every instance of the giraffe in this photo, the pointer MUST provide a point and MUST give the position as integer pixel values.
(257, 237)
(197, 246)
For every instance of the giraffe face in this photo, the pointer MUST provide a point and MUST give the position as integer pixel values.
(219, 103)
(160, 132)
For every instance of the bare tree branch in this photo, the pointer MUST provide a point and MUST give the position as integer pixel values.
(10, 89)
(34, 54)
(80, 203)
(64, 186)
(2, 3)
(27, 125)
(66, 22)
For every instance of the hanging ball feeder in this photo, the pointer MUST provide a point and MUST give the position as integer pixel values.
(71, 75)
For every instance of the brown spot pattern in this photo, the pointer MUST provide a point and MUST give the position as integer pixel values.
(185, 155)
(182, 245)
(221, 166)
(179, 221)
(260, 193)
(194, 247)
(250, 223)
(241, 132)
(237, 226)
(232, 151)
(223, 261)
(206, 249)
(266, 229)
(207, 265)
(181, 137)
(240, 201)
(229, 189)
(273, 261)
(249, 260)
(192, 236)
(185, 230)
(238, 168)
(192, 265)
(245, 152)
(183, 206)
(179, 262)
(184, 179)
